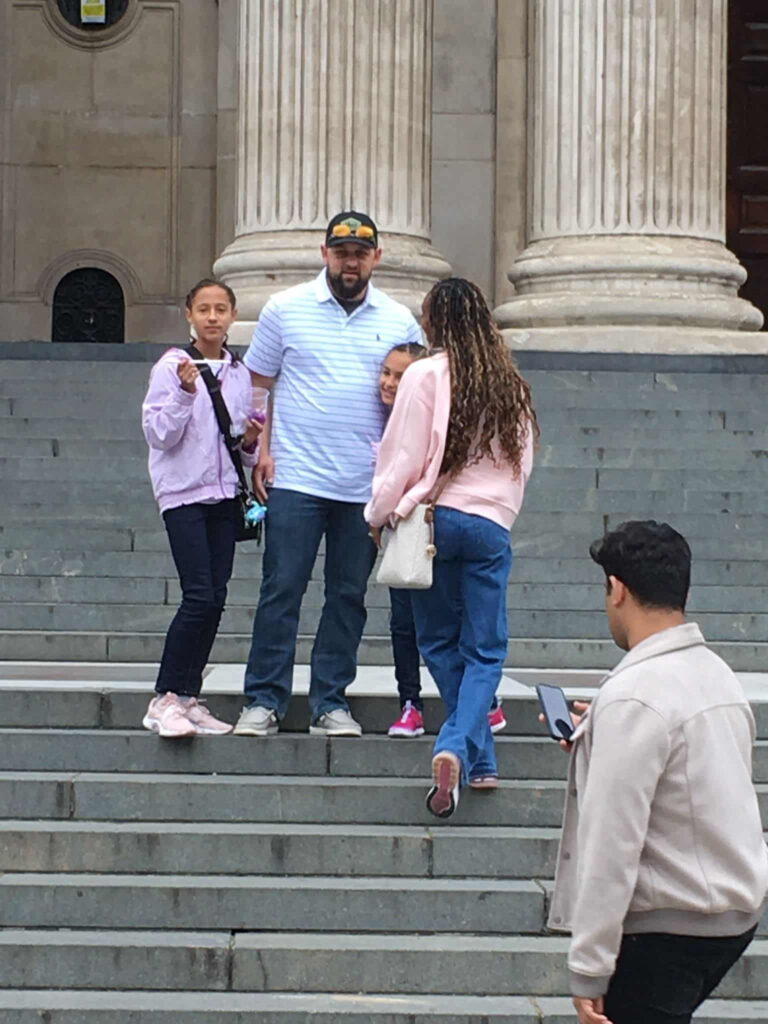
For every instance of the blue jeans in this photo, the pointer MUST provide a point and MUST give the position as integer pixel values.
(461, 624)
(202, 539)
(295, 525)
(405, 652)
(405, 649)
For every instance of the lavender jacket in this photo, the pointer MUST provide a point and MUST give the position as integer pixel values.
(188, 461)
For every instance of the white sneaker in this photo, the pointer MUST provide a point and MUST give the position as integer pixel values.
(338, 722)
(256, 721)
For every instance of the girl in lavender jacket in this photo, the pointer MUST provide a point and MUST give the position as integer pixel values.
(195, 485)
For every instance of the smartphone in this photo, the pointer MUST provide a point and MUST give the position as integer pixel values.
(556, 711)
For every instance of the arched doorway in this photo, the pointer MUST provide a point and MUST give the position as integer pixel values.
(88, 305)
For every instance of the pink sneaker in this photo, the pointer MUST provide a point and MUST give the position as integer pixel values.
(496, 719)
(165, 716)
(410, 722)
(204, 722)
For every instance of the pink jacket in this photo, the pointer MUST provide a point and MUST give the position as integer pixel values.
(412, 449)
(188, 461)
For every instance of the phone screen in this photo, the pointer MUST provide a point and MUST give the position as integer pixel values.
(556, 711)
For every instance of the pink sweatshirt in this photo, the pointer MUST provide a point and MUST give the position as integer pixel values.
(188, 461)
(412, 449)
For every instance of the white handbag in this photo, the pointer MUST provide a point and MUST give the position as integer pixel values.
(409, 550)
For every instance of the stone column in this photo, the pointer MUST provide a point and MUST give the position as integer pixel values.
(626, 178)
(334, 113)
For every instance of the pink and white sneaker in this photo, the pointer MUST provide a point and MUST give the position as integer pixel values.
(165, 716)
(496, 719)
(204, 722)
(410, 722)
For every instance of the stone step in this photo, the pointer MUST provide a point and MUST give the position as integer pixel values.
(96, 796)
(121, 750)
(64, 704)
(277, 849)
(564, 455)
(288, 754)
(244, 593)
(135, 506)
(531, 623)
(544, 653)
(311, 962)
(271, 903)
(559, 455)
(141, 1007)
(526, 569)
(65, 427)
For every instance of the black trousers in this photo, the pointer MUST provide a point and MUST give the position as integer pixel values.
(202, 539)
(662, 979)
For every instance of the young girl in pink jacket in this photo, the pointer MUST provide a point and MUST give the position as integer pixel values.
(195, 485)
(463, 423)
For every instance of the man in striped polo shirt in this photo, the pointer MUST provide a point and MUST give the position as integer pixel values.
(320, 345)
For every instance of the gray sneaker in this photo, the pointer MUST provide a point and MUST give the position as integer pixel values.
(336, 723)
(256, 721)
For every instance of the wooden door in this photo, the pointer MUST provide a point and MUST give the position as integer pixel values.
(747, 201)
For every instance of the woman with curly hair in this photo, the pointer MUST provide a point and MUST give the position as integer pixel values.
(462, 434)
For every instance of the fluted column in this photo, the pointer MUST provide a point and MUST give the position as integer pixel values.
(627, 170)
(334, 113)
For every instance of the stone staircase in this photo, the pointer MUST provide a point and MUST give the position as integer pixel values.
(294, 879)
(86, 573)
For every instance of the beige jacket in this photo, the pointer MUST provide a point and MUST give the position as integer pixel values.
(662, 830)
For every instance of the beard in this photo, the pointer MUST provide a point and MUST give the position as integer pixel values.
(342, 290)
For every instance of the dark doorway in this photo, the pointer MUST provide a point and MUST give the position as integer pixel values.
(88, 305)
(747, 204)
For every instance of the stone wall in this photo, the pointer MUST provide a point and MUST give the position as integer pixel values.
(121, 155)
(108, 155)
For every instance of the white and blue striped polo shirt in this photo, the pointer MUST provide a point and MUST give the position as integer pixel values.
(327, 412)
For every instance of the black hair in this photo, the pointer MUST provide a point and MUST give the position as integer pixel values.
(411, 348)
(213, 282)
(210, 282)
(651, 559)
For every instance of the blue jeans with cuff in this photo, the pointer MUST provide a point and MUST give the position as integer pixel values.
(461, 625)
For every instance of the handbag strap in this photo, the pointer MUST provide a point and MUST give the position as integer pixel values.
(223, 419)
(439, 490)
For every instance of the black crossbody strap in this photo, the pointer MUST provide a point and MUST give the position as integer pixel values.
(222, 415)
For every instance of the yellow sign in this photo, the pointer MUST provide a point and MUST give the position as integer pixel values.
(93, 12)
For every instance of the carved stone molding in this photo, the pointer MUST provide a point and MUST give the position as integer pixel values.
(86, 39)
(99, 258)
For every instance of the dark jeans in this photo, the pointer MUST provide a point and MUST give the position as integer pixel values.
(295, 525)
(662, 979)
(405, 650)
(461, 624)
(202, 539)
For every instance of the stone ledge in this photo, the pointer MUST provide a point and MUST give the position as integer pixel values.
(649, 342)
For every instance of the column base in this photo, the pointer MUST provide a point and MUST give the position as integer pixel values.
(628, 280)
(684, 341)
(258, 265)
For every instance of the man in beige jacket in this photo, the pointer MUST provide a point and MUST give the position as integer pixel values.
(663, 871)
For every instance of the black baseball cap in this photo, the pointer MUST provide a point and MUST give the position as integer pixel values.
(352, 226)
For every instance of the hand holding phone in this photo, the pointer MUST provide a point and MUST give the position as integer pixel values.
(557, 714)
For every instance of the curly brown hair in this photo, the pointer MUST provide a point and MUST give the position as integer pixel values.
(490, 399)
